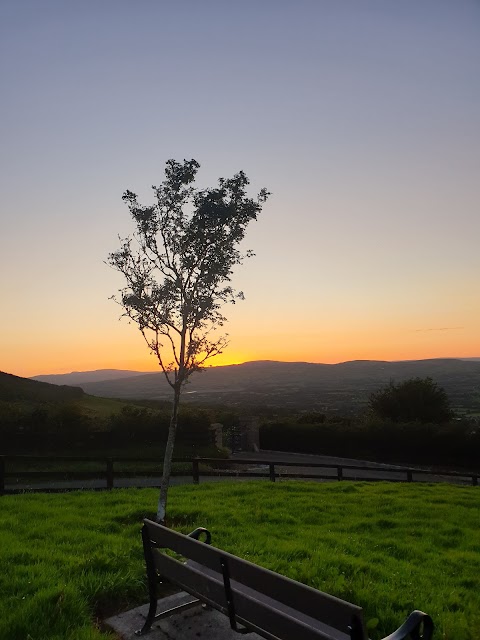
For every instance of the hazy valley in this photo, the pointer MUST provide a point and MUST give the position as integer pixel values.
(342, 388)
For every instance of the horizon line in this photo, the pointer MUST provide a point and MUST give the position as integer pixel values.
(238, 364)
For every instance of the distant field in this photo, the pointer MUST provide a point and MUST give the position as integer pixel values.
(100, 407)
(67, 558)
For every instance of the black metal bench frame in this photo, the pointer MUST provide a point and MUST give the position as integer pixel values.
(254, 598)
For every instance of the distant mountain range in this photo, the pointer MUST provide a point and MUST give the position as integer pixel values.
(343, 387)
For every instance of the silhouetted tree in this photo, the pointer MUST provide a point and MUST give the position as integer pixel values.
(178, 268)
(417, 399)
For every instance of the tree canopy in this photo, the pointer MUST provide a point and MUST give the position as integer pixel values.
(416, 399)
(178, 267)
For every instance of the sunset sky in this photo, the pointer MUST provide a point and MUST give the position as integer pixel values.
(362, 117)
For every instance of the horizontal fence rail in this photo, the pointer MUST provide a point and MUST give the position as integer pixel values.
(15, 472)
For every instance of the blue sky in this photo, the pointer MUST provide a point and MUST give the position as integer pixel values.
(361, 117)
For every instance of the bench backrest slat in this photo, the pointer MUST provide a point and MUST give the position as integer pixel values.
(332, 611)
(260, 616)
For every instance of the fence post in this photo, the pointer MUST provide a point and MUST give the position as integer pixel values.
(2, 475)
(272, 472)
(409, 476)
(475, 481)
(195, 471)
(339, 473)
(109, 473)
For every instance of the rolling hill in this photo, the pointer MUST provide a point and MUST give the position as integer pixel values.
(341, 387)
(29, 394)
(17, 389)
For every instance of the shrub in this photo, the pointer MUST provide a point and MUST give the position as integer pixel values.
(417, 399)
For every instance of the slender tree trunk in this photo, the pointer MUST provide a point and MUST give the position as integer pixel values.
(167, 461)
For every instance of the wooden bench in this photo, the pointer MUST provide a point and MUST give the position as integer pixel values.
(254, 599)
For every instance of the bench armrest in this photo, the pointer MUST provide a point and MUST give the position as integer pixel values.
(198, 532)
(411, 627)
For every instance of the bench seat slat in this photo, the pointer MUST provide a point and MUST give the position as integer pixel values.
(265, 615)
(195, 582)
(314, 604)
(296, 595)
(274, 605)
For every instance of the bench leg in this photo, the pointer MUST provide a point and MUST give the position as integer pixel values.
(152, 610)
(149, 620)
(153, 580)
(152, 583)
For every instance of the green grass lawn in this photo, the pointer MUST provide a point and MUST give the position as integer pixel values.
(67, 559)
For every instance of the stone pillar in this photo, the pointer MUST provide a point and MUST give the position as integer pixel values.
(217, 429)
(252, 429)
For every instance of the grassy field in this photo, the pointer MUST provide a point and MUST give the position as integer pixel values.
(94, 406)
(67, 560)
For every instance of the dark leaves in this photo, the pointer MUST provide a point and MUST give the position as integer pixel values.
(179, 264)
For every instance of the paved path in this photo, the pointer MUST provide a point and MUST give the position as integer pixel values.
(282, 456)
(305, 460)
(373, 470)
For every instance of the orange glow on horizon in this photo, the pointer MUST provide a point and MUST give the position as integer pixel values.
(148, 364)
(123, 348)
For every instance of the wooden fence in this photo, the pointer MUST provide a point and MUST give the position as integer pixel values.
(16, 475)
